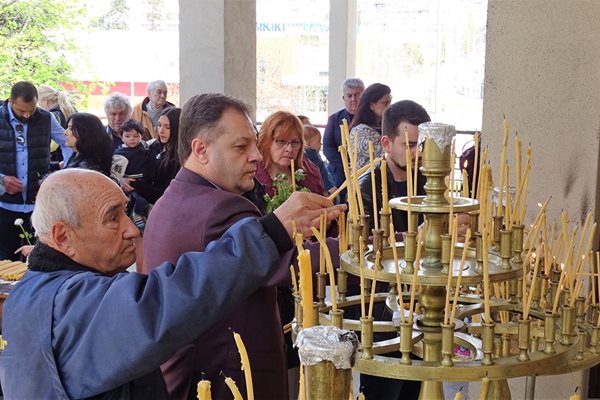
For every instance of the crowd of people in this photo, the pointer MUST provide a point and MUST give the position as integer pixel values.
(195, 180)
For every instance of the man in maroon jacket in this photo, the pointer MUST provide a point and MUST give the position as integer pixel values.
(219, 157)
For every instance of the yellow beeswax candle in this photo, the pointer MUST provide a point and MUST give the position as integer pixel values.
(361, 396)
(306, 288)
(465, 183)
(361, 258)
(302, 388)
(485, 385)
(373, 187)
(330, 271)
(575, 396)
(459, 396)
(475, 165)
(235, 391)
(294, 281)
(245, 366)
(384, 187)
(204, 390)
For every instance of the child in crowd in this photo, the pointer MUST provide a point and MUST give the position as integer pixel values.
(312, 138)
(129, 162)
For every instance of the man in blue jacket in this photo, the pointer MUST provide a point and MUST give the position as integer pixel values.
(76, 326)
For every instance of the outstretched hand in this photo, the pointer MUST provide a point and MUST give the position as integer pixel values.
(305, 210)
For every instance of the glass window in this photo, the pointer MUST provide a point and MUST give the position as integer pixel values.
(292, 61)
(429, 51)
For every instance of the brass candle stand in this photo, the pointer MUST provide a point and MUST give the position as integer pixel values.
(510, 345)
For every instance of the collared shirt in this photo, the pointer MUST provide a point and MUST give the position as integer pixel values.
(56, 132)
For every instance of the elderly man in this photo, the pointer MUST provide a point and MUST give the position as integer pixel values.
(148, 111)
(332, 138)
(77, 326)
(219, 157)
(118, 110)
(25, 133)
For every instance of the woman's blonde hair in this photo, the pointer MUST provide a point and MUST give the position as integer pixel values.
(55, 97)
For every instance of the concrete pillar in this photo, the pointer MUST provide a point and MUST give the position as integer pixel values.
(542, 71)
(343, 24)
(217, 45)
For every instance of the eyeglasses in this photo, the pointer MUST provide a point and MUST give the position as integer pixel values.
(20, 138)
(284, 143)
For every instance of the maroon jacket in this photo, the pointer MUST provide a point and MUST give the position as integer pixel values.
(191, 213)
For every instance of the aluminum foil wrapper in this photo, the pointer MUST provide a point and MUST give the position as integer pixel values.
(441, 134)
(327, 343)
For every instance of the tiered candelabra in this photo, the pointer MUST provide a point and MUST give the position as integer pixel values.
(512, 326)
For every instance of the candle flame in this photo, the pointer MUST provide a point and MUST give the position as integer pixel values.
(540, 205)
(465, 164)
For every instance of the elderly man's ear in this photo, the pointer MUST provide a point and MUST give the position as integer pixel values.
(61, 239)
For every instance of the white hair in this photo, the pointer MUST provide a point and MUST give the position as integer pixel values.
(119, 101)
(57, 200)
(154, 84)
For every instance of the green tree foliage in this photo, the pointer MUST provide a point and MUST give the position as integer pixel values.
(36, 42)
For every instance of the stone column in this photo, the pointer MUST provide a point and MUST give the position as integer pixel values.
(217, 46)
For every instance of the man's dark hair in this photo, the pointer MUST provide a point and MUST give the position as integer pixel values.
(402, 111)
(132, 125)
(200, 117)
(24, 90)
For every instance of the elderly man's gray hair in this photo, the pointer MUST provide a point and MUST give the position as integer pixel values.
(155, 84)
(119, 101)
(353, 83)
(57, 200)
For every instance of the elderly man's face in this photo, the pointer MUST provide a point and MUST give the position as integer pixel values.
(116, 117)
(105, 238)
(158, 97)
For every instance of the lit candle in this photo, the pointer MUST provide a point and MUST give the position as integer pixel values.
(330, 271)
(465, 182)
(245, 365)
(373, 186)
(361, 206)
(235, 391)
(293, 175)
(306, 288)
(502, 164)
(533, 281)
(352, 210)
(204, 390)
(384, 187)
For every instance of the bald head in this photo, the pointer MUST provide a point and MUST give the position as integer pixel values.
(81, 213)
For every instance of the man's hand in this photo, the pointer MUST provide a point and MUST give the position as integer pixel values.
(12, 185)
(305, 210)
